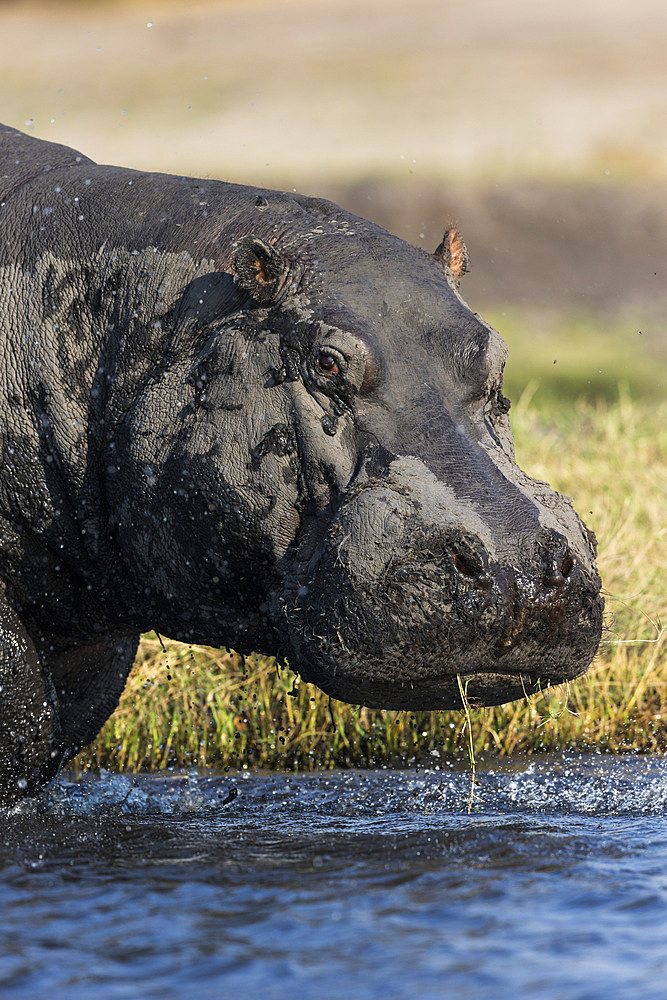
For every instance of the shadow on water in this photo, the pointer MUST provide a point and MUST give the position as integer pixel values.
(342, 884)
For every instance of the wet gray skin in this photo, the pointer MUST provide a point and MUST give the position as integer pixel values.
(248, 418)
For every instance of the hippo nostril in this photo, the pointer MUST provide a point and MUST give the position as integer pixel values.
(557, 559)
(470, 559)
(463, 566)
(558, 571)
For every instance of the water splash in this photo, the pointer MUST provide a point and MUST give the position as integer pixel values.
(570, 784)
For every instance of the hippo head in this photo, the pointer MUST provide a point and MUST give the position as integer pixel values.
(342, 484)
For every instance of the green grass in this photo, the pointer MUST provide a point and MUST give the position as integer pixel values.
(577, 356)
(196, 706)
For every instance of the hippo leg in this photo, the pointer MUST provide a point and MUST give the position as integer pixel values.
(89, 681)
(30, 732)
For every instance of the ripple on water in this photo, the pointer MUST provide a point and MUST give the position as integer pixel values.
(342, 884)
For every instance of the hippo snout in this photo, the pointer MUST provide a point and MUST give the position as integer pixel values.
(410, 587)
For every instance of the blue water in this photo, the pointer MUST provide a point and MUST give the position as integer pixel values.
(342, 885)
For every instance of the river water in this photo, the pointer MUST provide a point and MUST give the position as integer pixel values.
(369, 885)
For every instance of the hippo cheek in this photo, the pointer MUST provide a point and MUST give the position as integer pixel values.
(392, 606)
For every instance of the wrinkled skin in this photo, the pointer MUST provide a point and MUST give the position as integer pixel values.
(248, 418)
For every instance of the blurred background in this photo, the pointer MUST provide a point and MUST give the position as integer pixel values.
(539, 129)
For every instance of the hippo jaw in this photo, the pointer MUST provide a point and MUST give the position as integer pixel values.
(399, 606)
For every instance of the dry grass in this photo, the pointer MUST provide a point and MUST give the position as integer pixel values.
(196, 706)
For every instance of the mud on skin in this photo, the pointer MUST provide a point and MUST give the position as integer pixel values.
(249, 418)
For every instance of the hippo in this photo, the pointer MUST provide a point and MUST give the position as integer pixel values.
(248, 418)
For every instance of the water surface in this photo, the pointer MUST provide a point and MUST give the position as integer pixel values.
(342, 884)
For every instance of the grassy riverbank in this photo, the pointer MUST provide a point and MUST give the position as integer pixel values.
(196, 706)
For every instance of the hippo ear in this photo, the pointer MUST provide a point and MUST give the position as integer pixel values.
(260, 270)
(453, 253)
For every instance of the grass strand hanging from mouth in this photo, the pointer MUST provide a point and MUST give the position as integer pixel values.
(471, 743)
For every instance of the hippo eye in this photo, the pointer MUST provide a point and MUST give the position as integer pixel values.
(327, 363)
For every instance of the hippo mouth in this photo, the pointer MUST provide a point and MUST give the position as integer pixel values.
(478, 686)
(454, 647)
(392, 607)
(428, 676)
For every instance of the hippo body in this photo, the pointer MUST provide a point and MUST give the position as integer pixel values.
(251, 419)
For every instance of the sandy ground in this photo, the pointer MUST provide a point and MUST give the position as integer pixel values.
(541, 128)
